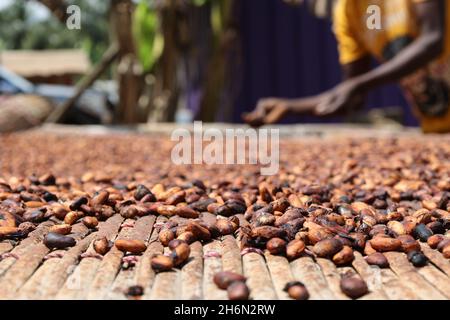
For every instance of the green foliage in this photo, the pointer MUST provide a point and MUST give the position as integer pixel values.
(149, 40)
(19, 29)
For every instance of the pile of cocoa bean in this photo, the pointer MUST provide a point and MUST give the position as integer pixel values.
(329, 199)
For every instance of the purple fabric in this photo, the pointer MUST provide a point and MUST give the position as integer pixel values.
(290, 53)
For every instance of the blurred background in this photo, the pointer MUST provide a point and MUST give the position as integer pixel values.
(154, 61)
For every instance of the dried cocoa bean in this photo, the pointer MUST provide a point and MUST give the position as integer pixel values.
(276, 246)
(327, 248)
(180, 254)
(223, 279)
(294, 249)
(296, 290)
(132, 246)
(90, 222)
(422, 232)
(353, 286)
(377, 259)
(161, 263)
(165, 236)
(102, 246)
(238, 291)
(383, 244)
(63, 229)
(57, 241)
(344, 257)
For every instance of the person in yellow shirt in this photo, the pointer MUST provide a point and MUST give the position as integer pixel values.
(411, 41)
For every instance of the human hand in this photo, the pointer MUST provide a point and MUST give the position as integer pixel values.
(267, 111)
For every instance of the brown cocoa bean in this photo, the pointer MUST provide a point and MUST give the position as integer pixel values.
(327, 248)
(142, 191)
(446, 251)
(353, 286)
(443, 244)
(290, 214)
(161, 263)
(58, 241)
(296, 290)
(377, 259)
(187, 237)
(71, 217)
(344, 257)
(76, 204)
(224, 226)
(408, 243)
(166, 210)
(90, 222)
(186, 212)
(180, 254)
(175, 243)
(102, 246)
(268, 232)
(199, 232)
(100, 199)
(224, 278)
(238, 291)
(132, 246)
(63, 229)
(434, 240)
(165, 236)
(276, 246)
(384, 244)
(294, 249)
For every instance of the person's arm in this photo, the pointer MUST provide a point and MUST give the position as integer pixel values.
(272, 110)
(428, 46)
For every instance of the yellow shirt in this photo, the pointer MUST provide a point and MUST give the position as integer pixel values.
(359, 33)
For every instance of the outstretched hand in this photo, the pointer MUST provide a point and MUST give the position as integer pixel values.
(267, 111)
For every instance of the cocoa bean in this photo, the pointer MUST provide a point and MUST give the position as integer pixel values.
(199, 232)
(238, 291)
(224, 226)
(57, 241)
(63, 229)
(296, 290)
(186, 212)
(276, 246)
(327, 248)
(344, 257)
(294, 249)
(132, 246)
(377, 259)
(90, 222)
(102, 246)
(161, 263)
(409, 243)
(100, 199)
(434, 240)
(165, 236)
(417, 258)
(268, 232)
(223, 279)
(175, 243)
(384, 244)
(353, 286)
(142, 191)
(76, 204)
(422, 232)
(71, 217)
(180, 254)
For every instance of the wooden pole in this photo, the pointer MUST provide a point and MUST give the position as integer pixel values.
(108, 57)
(129, 70)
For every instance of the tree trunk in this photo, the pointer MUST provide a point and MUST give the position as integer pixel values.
(129, 70)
